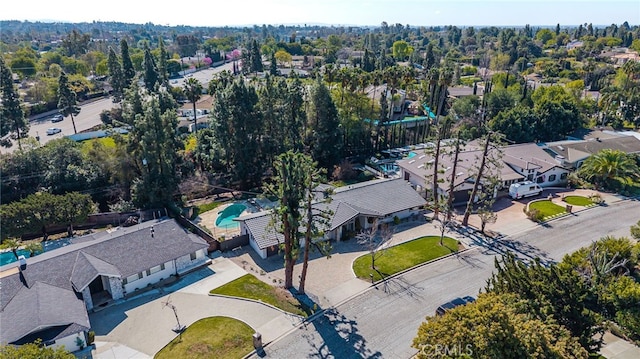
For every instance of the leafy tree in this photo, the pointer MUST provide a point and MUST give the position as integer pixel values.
(289, 187)
(67, 99)
(283, 57)
(401, 50)
(73, 208)
(609, 169)
(76, 43)
(193, 92)
(324, 129)
(12, 119)
(118, 81)
(495, 326)
(34, 350)
(518, 124)
(127, 66)
(635, 230)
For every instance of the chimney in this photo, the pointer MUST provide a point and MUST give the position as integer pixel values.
(23, 263)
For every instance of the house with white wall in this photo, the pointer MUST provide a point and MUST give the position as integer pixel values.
(48, 296)
(353, 208)
(516, 163)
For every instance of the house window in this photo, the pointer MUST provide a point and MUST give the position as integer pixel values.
(155, 269)
(540, 179)
(563, 176)
(193, 256)
(551, 178)
(132, 278)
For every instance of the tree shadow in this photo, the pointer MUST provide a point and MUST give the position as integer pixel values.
(399, 286)
(339, 336)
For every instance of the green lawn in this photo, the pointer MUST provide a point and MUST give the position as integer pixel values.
(213, 337)
(403, 256)
(547, 208)
(205, 208)
(251, 287)
(578, 200)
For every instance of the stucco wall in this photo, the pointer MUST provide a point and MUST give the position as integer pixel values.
(69, 342)
(261, 252)
(185, 263)
(558, 181)
(150, 279)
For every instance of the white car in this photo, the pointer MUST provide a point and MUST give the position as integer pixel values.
(53, 131)
(57, 118)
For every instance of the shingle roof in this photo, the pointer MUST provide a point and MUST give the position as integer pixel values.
(87, 267)
(373, 198)
(121, 253)
(41, 306)
(578, 150)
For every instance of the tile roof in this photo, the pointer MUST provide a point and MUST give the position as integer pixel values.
(374, 198)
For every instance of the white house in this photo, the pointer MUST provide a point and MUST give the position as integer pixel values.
(353, 208)
(49, 295)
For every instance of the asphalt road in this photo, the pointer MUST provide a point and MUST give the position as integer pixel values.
(88, 117)
(382, 322)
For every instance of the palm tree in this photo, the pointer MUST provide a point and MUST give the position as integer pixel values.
(609, 167)
(13, 244)
(193, 92)
(33, 248)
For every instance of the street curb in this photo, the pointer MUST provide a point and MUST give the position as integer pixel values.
(258, 302)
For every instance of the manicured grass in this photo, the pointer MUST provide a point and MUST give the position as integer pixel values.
(251, 287)
(403, 256)
(107, 142)
(547, 208)
(207, 207)
(578, 200)
(213, 337)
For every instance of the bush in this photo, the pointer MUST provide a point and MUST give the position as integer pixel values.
(91, 337)
(629, 319)
(534, 215)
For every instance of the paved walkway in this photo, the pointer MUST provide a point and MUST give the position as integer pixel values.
(141, 326)
(618, 348)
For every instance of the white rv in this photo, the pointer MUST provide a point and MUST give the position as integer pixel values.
(524, 189)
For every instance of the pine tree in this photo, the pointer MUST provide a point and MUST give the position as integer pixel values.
(12, 119)
(256, 57)
(154, 144)
(289, 187)
(67, 99)
(324, 126)
(273, 66)
(128, 71)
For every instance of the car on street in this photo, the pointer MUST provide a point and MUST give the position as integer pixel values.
(53, 131)
(454, 303)
(57, 118)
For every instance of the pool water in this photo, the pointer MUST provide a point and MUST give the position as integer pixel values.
(8, 257)
(226, 216)
(411, 154)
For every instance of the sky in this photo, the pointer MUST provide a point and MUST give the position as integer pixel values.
(330, 12)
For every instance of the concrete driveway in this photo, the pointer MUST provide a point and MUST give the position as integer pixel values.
(142, 326)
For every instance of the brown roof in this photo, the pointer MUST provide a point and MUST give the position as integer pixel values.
(205, 103)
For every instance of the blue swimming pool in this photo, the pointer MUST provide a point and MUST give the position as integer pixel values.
(8, 257)
(411, 154)
(226, 216)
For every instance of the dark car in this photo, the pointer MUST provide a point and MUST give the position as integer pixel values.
(57, 118)
(454, 303)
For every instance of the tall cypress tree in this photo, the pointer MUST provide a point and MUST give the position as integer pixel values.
(12, 119)
(151, 76)
(163, 71)
(273, 66)
(256, 57)
(127, 66)
(67, 99)
(117, 76)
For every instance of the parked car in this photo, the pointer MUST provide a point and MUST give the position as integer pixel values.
(53, 131)
(454, 303)
(524, 189)
(57, 118)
